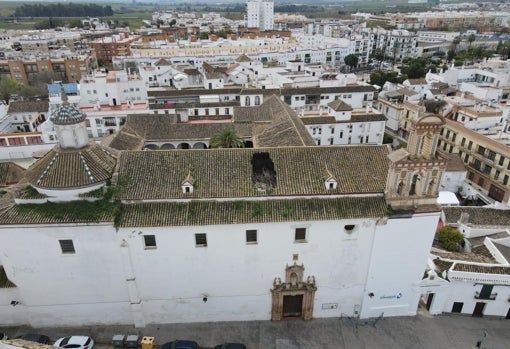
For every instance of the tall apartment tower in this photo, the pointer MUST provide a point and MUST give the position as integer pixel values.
(260, 14)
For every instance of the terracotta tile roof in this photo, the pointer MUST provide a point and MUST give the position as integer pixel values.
(227, 173)
(454, 163)
(29, 106)
(250, 114)
(367, 117)
(442, 265)
(195, 105)
(286, 128)
(64, 212)
(482, 269)
(10, 173)
(168, 92)
(242, 212)
(126, 139)
(162, 127)
(339, 105)
(319, 120)
(420, 81)
(244, 58)
(61, 168)
(480, 216)
(281, 127)
(162, 62)
(478, 254)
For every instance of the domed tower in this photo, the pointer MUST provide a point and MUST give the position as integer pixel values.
(75, 166)
(70, 125)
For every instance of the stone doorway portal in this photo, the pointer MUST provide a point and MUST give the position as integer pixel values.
(294, 297)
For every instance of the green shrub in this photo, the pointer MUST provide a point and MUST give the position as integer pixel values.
(450, 239)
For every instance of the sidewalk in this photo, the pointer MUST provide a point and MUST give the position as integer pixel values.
(447, 331)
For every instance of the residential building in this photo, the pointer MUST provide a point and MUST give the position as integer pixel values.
(344, 126)
(27, 71)
(116, 45)
(487, 158)
(475, 280)
(260, 14)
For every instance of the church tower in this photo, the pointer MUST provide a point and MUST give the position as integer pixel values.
(415, 172)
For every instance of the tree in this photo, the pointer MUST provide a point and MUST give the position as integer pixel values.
(226, 138)
(450, 239)
(455, 42)
(351, 60)
(471, 38)
(8, 87)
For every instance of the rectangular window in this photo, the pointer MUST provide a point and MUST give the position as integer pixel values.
(457, 307)
(496, 174)
(466, 158)
(501, 160)
(67, 246)
(300, 235)
(481, 150)
(505, 180)
(470, 145)
(149, 241)
(487, 170)
(492, 155)
(251, 236)
(201, 240)
(471, 176)
(454, 136)
(463, 142)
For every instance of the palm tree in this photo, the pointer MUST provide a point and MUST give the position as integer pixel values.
(471, 38)
(226, 138)
(455, 42)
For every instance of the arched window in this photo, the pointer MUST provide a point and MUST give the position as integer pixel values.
(247, 101)
(415, 180)
(257, 100)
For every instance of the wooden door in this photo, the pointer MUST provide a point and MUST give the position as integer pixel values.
(292, 306)
(478, 312)
(429, 300)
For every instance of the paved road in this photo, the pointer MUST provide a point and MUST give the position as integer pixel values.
(447, 331)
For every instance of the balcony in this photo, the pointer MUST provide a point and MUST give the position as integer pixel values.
(491, 297)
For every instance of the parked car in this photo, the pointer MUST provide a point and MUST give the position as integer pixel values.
(180, 344)
(74, 342)
(34, 337)
(230, 346)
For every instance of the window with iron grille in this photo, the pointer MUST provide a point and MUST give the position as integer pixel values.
(201, 240)
(67, 246)
(149, 241)
(300, 235)
(251, 236)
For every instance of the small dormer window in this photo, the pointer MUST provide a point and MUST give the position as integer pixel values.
(187, 188)
(187, 184)
(331, 184)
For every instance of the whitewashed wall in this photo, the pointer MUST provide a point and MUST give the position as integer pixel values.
(399, 258)
(113, 279)
(22, 151)
(465, 291)
(237, 277)
(57, 289)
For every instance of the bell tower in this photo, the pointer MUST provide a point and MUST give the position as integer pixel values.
(415, 172)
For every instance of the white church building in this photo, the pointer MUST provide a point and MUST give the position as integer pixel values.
(141, 237)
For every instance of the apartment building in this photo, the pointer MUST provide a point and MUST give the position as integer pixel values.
(486, 156)
(260, 14)
(111, 46)
(27, 71)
